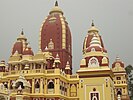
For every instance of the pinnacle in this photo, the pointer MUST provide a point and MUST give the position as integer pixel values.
(56, 3)
(22, 33)
(92, 24)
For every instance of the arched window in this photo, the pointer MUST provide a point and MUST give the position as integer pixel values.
(93, 62)
(37, 85)
(104, 60)
(93, 49)
(94, 95)
(73, 90)
(18, 84)
(94, 98)
(119, 93)
(50, 85)
(5, 84)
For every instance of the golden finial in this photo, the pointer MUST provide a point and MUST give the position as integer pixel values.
(92, 24)
(56, 3)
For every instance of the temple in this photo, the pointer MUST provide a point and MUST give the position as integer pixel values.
(47, 74)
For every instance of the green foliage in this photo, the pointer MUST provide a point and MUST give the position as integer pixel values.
(128, 69)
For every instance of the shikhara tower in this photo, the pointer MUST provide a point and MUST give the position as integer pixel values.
(47, 74)
(96, 78)
(55, 36)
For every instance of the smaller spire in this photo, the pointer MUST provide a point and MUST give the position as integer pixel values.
(92, 24)
(118, 58)
(46, 48)
(39, 51)
(57, 55)
(28, 45)
(22, 33)
(56, 3)
(16, 52)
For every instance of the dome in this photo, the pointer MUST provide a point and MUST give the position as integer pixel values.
(56, 9)
(93, 28)
(18, 46)
(21, 36)
(118, 61)
(28, 51)
(55, 28)
(90, 35)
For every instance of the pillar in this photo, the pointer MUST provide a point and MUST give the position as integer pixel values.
(77, 89)
(34, 66)
(45, 86)
(20, 67)
(68, 90)
(57, 86)
(31, 66)
(33, 85)
(41, 85)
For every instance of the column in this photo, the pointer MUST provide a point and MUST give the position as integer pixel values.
(33, 85)
(10, 69)
(9, 87)
(41, 85)
(31, 66)
(68, 90)
(57, 85)
(42, 67)
(77, 89)
(45, 86)
(34, 66)
(20, 67)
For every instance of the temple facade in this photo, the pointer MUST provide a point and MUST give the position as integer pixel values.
(47, 74)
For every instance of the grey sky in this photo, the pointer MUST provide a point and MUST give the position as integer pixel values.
(114, 18)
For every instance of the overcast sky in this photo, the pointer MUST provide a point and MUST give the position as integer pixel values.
(114, 18)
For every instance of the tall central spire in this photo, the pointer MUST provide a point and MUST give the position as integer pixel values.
(55, 34)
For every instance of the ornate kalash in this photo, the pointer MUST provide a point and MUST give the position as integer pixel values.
(47, 74)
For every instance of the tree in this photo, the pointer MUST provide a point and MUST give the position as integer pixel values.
(128, 69)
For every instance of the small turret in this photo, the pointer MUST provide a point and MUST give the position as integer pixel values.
(56, 61)
(2, 66)
(68, 69)
(28, 50)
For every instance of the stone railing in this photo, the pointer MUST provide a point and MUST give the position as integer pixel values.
(5, 73)
(51, 71)
(24, 71)
(74, 76)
